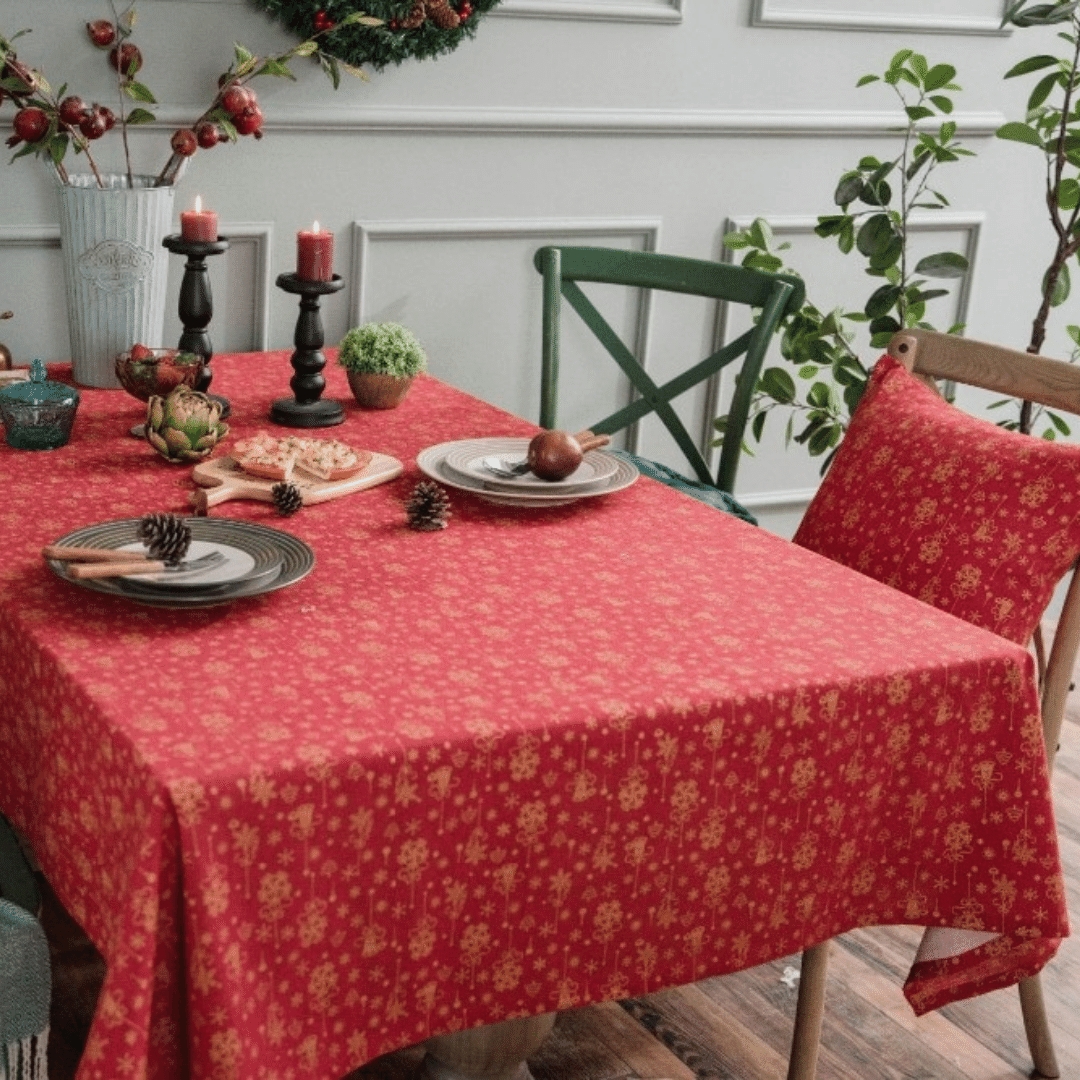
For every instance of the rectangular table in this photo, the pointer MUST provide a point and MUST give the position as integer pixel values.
(538, 759)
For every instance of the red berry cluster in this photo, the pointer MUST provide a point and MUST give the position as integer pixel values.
(241, 109)
(322, 22)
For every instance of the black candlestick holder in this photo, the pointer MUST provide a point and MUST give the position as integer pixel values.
(196, 306)
(306, 409)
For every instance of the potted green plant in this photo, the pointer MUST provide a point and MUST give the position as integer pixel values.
(381, 360)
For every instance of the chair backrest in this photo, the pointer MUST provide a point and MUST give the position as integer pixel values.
(772, 296)
(1039, 379)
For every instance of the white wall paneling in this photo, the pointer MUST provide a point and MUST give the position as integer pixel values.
(31, 286)
(661, 11)
(910, 16)
(469, 289)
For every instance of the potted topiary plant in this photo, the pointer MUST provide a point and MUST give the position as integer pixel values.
(381, 360)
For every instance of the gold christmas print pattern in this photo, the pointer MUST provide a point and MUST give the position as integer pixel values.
(526, 762)
(947, 507)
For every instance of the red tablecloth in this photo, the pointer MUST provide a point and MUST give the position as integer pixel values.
(537, 759)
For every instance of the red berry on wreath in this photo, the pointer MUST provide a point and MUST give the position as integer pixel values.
(101, 32)
(184, 142)
(31, 124)
(92, 125)
(236, 99)
(464, 10)
(208, 134)
(71, 110)
(323, 22)
(126, 58)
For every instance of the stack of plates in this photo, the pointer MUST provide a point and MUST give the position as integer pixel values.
(257, 560)
(460, 465)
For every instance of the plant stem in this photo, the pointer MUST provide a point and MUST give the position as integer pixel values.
(1067, 243)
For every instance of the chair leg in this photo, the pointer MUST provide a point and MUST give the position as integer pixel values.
(809, 1011)
(1037, 1028)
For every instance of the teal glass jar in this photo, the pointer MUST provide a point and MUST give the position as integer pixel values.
(38, 414)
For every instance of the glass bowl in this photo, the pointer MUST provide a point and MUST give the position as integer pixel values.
(38, 414)
(157, 372)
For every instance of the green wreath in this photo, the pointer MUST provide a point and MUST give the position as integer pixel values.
(410, 29)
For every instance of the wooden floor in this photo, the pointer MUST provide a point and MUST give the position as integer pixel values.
(738, 1027)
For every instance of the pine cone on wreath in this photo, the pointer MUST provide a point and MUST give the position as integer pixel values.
(438, 11)
(287, 498)
(428, 507)
(166, 536)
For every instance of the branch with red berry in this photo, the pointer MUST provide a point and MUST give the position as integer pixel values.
(408, 29)
(47, 123)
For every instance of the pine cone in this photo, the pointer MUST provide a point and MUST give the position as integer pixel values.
(428, 507)
(166, 536)
(287, 498)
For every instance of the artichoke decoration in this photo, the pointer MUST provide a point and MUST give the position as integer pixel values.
(185, 426)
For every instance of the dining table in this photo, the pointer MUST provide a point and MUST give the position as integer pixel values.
(551, 754)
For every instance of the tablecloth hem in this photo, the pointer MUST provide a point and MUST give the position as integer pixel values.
(932, 984)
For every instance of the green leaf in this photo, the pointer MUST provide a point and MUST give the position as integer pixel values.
(778, 384)
(1058, 422)
(883, 300)
(867, 79)
(277, 68)
(1062, 286)
(1015, 131)
(758, 424)
(915, 113)
(939, 76)
(138, 92)
(139, 116)
(849, 189)
(58, 146)
(874, 234)
(1043, 88)
(808, 371)
(943, 104)
(306, 48)
(943, 264)
(760, 260)
(760, 233)
(887, 257)
(1032, 63)
(735, 241)
(243, 56)
(1068, 194)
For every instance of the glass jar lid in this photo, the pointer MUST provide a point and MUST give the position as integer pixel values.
(38, 390)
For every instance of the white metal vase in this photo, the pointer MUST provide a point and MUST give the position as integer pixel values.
(115, 269)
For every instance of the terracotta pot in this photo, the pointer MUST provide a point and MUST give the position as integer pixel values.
(378, 391)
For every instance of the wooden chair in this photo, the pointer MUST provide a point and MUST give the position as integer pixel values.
(1048, 382)
(771, 296)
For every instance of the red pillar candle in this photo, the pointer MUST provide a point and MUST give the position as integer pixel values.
(198, 224)
(315, 254)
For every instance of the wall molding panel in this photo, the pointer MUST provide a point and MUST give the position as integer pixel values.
(658, 11)
(638, 123)
(259, 235)
(767, 13)
(367, 234)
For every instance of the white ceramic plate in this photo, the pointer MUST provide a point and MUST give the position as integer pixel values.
(467, 460)
(432, 463)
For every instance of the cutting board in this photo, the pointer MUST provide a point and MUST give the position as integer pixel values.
(222, 479)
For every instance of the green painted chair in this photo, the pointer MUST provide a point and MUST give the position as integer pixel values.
(770, 296)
